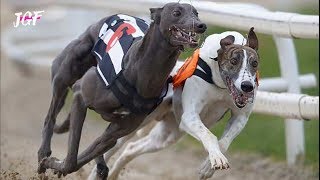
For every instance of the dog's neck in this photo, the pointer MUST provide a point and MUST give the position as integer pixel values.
(216, 77)
(155, 58)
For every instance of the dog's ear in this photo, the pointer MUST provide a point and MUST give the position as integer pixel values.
(252, 40)
(226, 41)
(156, 14)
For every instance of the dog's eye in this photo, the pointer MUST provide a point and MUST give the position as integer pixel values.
(254, 64)
(234, 61)
(176, 13)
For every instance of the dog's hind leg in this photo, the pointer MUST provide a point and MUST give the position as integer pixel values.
(77, 117)
(68, 67)
(102, 169)
(148, 123)
(165, 133)
(146, 129)
(106, 141)
(120, 142)
(206, 171)
(63, 127)
(95, 171)
(59, 92)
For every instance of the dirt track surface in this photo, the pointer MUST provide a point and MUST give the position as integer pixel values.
(24, 103)
(25, 97)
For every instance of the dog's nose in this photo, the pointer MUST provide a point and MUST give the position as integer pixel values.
(246, 86)
(201, 27)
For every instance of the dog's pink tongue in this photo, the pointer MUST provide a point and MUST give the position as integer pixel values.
(242, 99)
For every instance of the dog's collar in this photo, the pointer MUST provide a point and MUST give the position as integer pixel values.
(205, 73)
(215, 59)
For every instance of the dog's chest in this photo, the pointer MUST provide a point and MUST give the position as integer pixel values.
(213, 111)
(217, 103)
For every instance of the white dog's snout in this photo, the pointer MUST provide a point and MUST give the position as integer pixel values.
(245, 77)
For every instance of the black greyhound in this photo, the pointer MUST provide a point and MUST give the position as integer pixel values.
(147, 66)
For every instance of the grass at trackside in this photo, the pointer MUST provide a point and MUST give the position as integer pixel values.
(265, 134)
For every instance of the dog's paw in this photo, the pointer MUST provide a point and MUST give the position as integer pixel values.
(43, 153)
(42, 166)
(43, 176)
(206, 171)
(48, 162)
(58, 173)
(218, 160)
(102, 172)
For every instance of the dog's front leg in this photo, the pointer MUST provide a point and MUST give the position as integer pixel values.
(192, 124)
(235, 125)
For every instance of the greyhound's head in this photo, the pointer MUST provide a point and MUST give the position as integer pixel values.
(238, 65)
(178, 23)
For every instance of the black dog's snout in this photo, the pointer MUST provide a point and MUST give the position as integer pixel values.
(246, 86)
(201, 27)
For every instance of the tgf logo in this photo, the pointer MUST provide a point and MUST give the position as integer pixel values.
(27, 18)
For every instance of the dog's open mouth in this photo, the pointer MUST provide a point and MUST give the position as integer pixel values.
(182, 37)
(240, 98)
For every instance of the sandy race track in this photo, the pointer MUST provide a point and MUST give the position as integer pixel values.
(24, 103)
(25, 99)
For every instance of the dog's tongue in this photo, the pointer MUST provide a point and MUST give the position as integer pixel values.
(241, 101)
(242, 98)
(245, 98)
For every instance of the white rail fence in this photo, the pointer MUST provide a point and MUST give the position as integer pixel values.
(287, 105)
(52, 35)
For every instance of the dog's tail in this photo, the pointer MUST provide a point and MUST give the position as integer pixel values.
(62, 128)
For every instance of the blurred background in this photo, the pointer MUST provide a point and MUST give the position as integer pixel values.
(26, 52)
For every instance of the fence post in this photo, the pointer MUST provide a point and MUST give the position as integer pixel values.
(294, 130)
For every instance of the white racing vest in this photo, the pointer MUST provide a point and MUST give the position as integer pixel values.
(115, 38)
